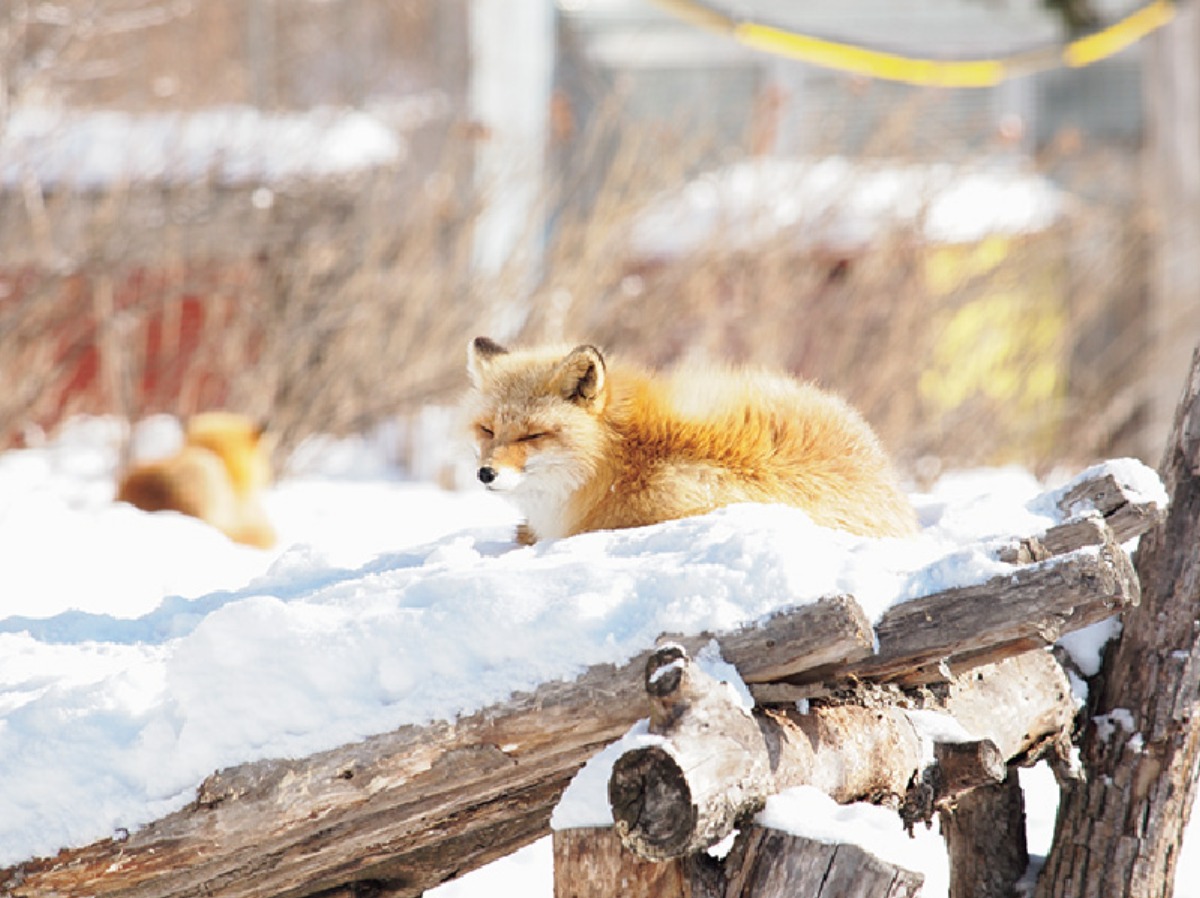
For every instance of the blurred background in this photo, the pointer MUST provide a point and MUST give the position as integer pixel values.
(303, 209)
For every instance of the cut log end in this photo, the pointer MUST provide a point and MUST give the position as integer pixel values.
(652, 805)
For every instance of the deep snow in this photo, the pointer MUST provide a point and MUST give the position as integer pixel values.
(139, 652)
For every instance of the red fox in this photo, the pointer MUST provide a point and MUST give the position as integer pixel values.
(581, 444)
(217, 476)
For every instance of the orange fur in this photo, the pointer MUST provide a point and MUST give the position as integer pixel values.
(581, 444)
(216, 476)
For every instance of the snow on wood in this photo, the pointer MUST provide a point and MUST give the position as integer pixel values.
(408, 809)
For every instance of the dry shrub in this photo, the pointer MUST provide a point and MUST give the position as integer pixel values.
(333, 307)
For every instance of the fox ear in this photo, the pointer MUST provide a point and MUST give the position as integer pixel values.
(480, 353)
(580, 378)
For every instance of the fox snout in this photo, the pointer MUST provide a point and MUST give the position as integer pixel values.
(499, 478)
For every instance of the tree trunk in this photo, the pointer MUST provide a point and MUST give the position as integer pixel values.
(1119, 829)
(985, 838)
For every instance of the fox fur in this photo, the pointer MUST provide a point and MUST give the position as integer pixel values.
(582, 443)
(216, 476)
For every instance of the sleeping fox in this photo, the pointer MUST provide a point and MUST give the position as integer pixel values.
(217, 476)
(581, 443)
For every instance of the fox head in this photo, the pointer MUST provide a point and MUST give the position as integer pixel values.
(538, 424)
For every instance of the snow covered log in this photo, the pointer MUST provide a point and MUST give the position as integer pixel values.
(717, 763)
(927, 639)
(409, 809)
(768, 863)
(765, 863)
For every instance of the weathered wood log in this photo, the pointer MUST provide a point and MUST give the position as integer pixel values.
(985, 839)
(666, 803)
(925, 639)
(591, 862)
(715, 770)
(1120, 826)
(775, 864)
(1126, 514)
(1092, 507)
(765, 863)
(406, 810)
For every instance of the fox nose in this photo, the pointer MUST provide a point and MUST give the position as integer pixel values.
(487, 474)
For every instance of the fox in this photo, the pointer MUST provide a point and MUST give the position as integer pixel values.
(217, 476)
(581, 442)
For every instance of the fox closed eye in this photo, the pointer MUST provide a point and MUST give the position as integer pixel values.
(530, 437)
(486, 431)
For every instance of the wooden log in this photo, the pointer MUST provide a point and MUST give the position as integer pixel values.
(672, 801)
(1093, 507)
(663, 797)
(929, 639)
(774, 864)
(1127, 515)
(591, 862)
(404, 811)
(985, 839)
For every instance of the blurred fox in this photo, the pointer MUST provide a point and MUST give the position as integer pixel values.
(217, 476)
(581, 444)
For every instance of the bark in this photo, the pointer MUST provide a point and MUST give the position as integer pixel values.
(1119, 828)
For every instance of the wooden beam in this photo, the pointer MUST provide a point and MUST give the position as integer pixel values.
(929, 639)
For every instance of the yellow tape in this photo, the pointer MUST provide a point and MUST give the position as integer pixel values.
(927, 72)
(1118, 36)
(860, 60)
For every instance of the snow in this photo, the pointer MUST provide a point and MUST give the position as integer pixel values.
(809, 812)
(231, 144)
(140, 652)
(838, 202)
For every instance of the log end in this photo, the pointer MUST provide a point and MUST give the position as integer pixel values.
(652, 805)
